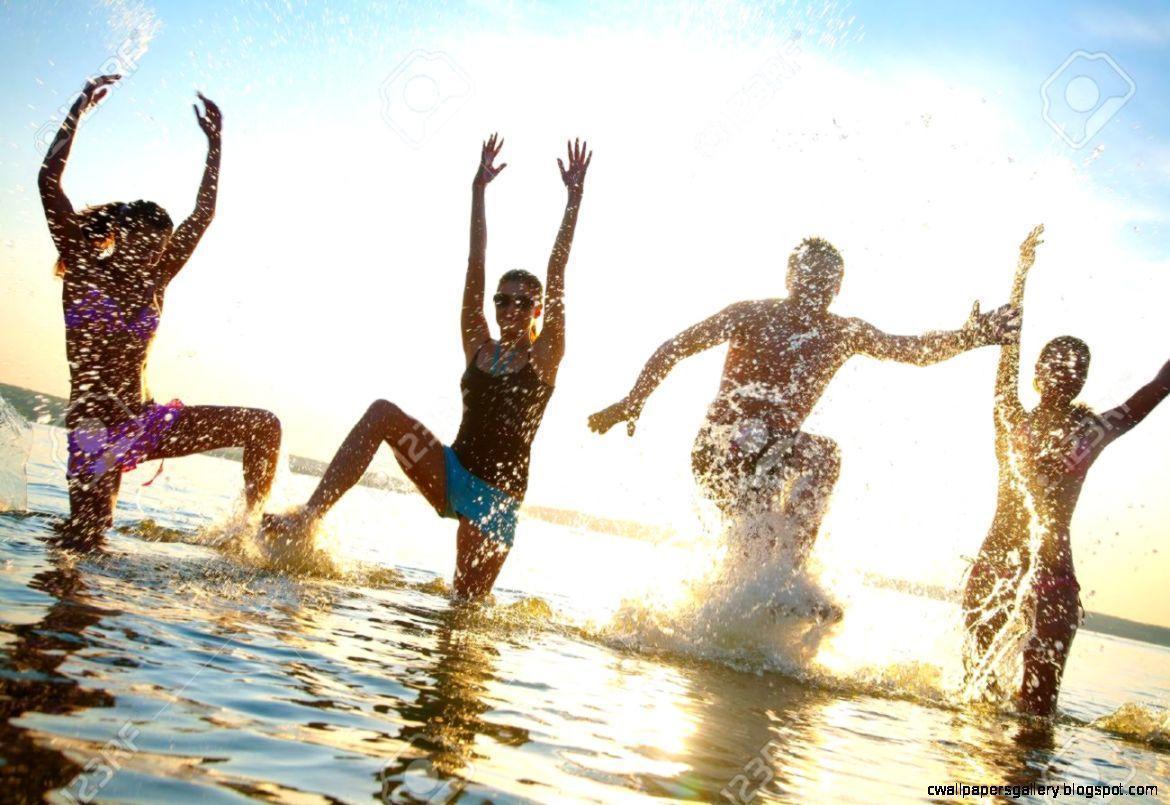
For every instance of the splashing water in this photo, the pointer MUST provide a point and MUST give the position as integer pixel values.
(133, 26)
(759, 606)
(15, 445)
(1139, 723)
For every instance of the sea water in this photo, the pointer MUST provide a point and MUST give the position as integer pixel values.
(607, 669)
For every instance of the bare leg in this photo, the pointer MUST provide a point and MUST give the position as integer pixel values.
(1057, 616)
(91, 509)
(199, 428)
(418, 452)
(478, 561)
(816, 461)
(985, 614)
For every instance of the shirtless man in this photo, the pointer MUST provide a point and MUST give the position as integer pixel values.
(751, 456)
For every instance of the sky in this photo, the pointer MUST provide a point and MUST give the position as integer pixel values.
(914, 136)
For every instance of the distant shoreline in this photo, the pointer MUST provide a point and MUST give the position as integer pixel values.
(48, 409)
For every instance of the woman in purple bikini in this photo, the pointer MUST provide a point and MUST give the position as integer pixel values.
(115, 261)
(481, 478)
(1044, 455)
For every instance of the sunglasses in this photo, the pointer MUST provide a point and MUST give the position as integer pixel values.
(514, 300)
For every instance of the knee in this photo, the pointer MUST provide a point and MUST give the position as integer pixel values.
(265, 427)
(382, 411)
(825, 457)
(382, 414)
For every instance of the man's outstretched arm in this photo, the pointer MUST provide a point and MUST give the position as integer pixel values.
(981, 330)
(704, 335)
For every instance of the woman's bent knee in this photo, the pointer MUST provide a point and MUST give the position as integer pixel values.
(268, 424)
(383, 412)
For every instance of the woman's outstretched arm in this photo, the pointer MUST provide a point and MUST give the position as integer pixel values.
(473, 323)
(1008, 408)
(550, 347)
(58, 209)
(187, 236)
(1126, 416)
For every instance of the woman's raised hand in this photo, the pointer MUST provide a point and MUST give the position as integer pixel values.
(1028, 247)
(487, 157)
(94, 90)
(579, 158)
(211, 121)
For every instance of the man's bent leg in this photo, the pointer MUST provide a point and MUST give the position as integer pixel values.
(816, 463)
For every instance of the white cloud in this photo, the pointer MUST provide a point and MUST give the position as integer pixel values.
(1125, 26)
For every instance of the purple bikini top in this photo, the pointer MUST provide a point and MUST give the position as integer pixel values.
(97, 311)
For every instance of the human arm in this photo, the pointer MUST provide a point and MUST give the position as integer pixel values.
(187, 236)
(1008, 408)
(704, 335)
(550, 346)
(1120, 420)
(473, 323)
(58, 209)
(981, 329)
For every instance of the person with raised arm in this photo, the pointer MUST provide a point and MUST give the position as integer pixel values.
(751, 455)
(481, 478)
(1025, 562)
(116, 261)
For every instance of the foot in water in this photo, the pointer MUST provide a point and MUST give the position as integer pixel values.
(822, 612)
(287, 540)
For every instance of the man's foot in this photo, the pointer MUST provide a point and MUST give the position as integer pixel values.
(824, 612)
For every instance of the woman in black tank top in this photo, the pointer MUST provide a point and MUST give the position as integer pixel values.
(482, 477)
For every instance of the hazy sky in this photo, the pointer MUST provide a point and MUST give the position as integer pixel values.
(912, 136)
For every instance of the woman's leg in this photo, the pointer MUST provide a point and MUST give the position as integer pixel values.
(985, 609)
(199, 428)
(91, 509)
(1057, 618)
(478, 561)
(418, 452)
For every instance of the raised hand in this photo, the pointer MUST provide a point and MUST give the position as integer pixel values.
(1000, 326)
(579, 159)
(211, 121)
(94, 90)
(1028, 247)
(621, 411)
(488, 170)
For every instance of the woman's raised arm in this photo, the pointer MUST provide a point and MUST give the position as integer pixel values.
(473, 323)
(1008, 408)
(550, 346)
(58, 209)
(189, 233)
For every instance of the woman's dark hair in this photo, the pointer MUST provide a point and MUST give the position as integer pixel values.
(525, 277)
(99, 224)
(1066, 345)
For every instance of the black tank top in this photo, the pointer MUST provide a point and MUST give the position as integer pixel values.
(500, 416)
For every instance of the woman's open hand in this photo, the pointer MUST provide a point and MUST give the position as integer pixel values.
(488, 170)
(579, 158)
(211, 121)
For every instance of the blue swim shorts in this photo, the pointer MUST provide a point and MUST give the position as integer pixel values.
(493, 511)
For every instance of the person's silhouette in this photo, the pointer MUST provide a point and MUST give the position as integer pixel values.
(1044, 455)
(116, 261)
(481, 478)
(751, 454)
